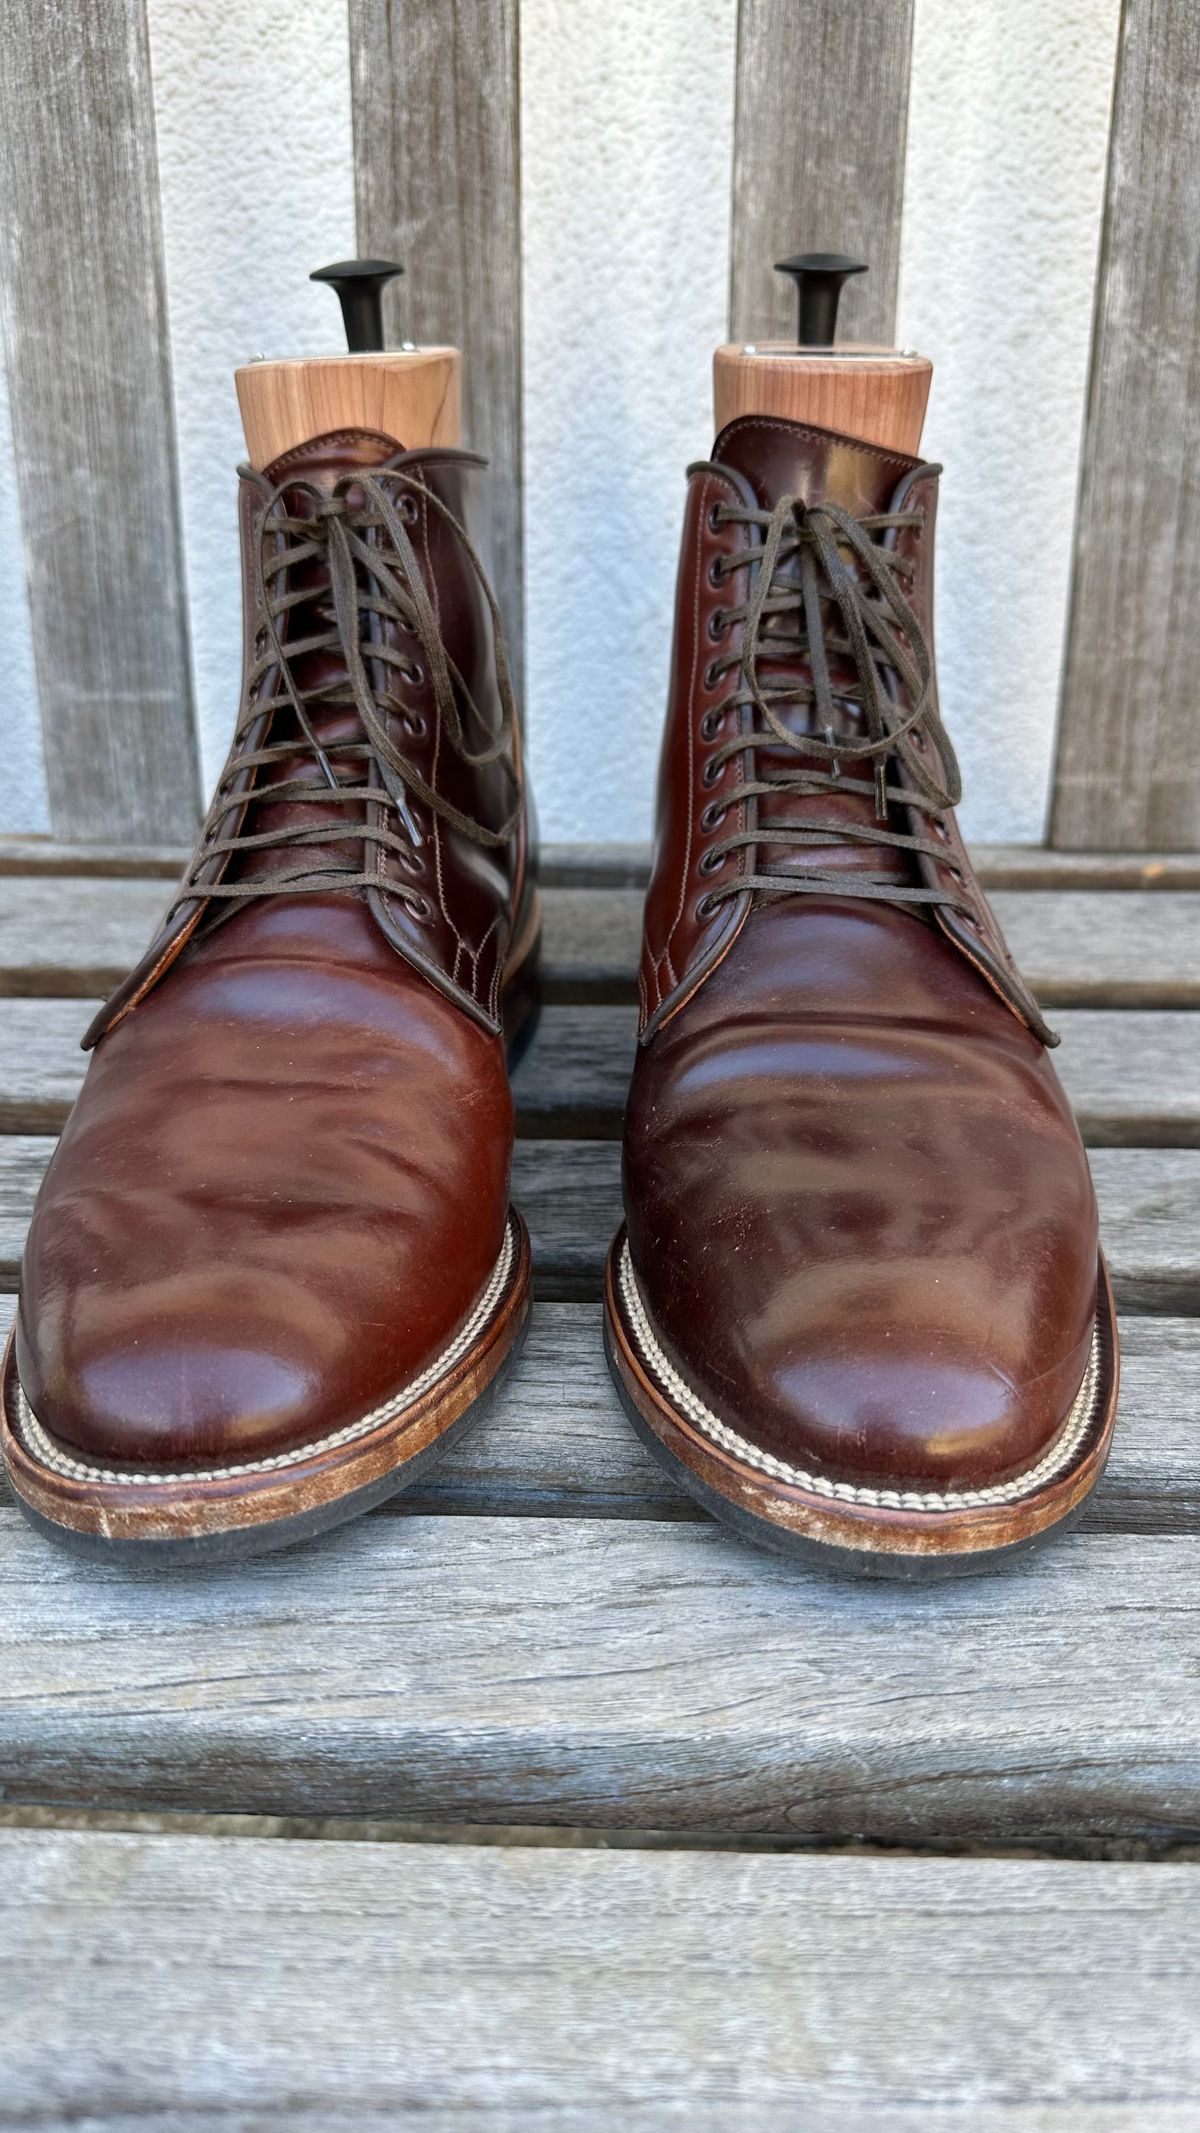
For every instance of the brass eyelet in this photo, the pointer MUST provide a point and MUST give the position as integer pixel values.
(706, 908)
(717, 624)
(711, 724)
(712, 772)
(713, 815)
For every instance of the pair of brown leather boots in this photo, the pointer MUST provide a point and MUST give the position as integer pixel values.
(858, 1306)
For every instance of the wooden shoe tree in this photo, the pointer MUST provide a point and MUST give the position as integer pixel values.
(878, 394)
(411, 394)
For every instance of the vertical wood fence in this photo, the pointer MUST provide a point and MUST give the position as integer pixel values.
(1128, 771)
(88, 366)
(821, 101)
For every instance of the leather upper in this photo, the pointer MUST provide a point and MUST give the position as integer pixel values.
(285, 1181)
(859, 1211)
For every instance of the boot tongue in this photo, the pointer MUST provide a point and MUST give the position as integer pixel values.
(780, 458)
(321, 462)
(775, 459)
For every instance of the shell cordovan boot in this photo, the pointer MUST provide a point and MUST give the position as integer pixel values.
(858, 1305)
(273, 1268)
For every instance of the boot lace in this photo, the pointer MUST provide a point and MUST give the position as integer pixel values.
(374, 579)
(827, 587)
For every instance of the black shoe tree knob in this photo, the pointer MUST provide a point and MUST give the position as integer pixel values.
(818, 277)
(360, 284)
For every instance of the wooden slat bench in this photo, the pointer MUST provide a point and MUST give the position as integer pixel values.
(546, 1641)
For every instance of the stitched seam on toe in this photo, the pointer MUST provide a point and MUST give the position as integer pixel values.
(37, 1440)
(1059, 1456)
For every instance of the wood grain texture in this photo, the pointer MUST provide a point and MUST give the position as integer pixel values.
(570, 1194)
(436, 108)
(357, 1985)
(413, 397)
(86, 340)
(1132, 1076)
(881, 401)
(556, 1442)
(609, 1674)
(820, 125)
(1128, 769)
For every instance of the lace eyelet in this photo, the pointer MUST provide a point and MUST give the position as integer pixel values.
(717, 624)
(706, 908)
(412, 862)
(712, 862)
(940, 831)
(417, 906)
(415, 722)
(712, 772)
(716, 518)
(716, 570)
(409, 510)
(713, 815)
(712, 721)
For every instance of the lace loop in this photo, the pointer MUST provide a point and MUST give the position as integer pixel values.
(826, 587)
(374, 580)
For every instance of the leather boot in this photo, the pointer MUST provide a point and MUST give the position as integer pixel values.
(273, 1269)
(858, 1307)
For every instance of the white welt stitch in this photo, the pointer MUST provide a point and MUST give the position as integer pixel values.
(1060, 1454)
(43, 1447)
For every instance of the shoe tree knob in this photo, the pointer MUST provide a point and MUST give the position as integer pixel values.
(411, 394)
(876, 394)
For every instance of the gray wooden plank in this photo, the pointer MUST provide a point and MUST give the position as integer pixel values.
(85, 331)
(46, 855)
(627, 865)
(999, 866)
(607, 1674)
(570, 1194)
(1133, 1077)
(586, 1990)
(1077, 947)
(820, 125)
(435, 97)
(1128, 768)
(555, 1442)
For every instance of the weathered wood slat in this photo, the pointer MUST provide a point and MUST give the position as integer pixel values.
(1077, 947)
(627, 866)
(351, 1984)
(1134, 1078)
(820, 125)
(607, 1674)
(434, 87)
(1128, 770)
(86, 339)
(570, 1194)
(556, 1442)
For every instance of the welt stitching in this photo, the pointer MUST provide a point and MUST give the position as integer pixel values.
(43, 1446)
(1052, 1462)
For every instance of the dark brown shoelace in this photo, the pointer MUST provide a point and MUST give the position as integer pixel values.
(804, 571)
(374, 580)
